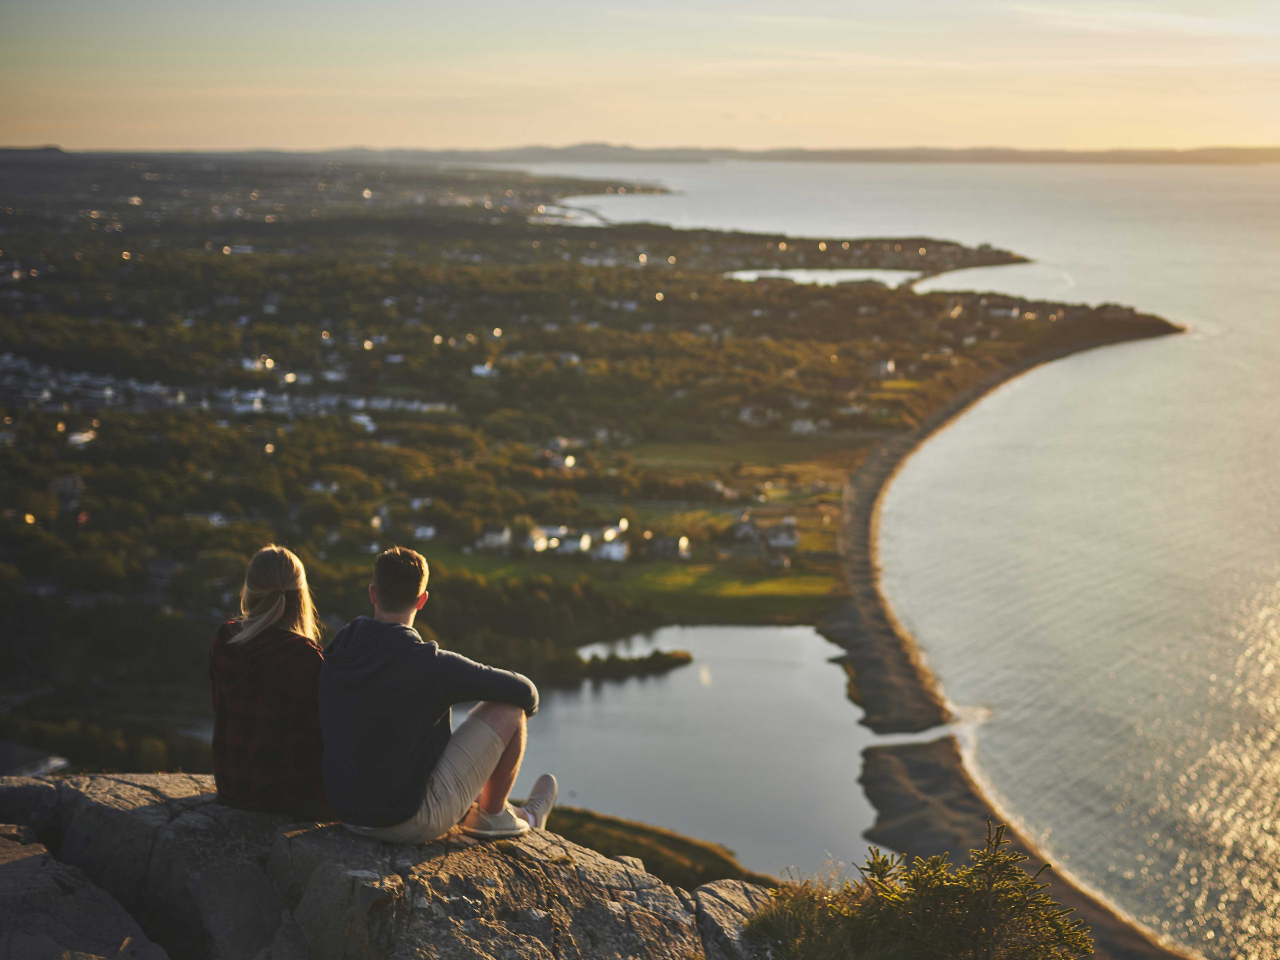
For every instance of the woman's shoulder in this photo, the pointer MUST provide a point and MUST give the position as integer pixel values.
(296, 642)
(226, 630)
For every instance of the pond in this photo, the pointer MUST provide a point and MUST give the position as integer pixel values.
(754, 745)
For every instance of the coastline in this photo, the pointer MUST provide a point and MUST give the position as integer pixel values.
(927, 800)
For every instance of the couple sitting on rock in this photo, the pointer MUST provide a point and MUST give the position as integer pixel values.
(361, 732)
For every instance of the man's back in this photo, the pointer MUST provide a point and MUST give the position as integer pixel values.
(385, 699)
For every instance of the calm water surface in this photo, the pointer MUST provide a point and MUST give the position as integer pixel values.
(1093, 552)
(754, 745)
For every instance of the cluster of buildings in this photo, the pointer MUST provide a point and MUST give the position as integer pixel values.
(773, 543)
(605, 543)
(39, 386)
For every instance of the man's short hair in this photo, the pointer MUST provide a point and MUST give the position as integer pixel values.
(399, 578)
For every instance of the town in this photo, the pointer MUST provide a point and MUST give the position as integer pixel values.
(590, 429)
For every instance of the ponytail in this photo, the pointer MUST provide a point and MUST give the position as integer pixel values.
(275, 593)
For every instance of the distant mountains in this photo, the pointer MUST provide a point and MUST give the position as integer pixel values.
(611, 153)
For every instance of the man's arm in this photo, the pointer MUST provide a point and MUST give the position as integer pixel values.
(462, 680)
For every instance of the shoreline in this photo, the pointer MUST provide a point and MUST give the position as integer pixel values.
(927, 800)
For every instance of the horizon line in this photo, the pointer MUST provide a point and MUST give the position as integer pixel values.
(791, 148)
(604, 152)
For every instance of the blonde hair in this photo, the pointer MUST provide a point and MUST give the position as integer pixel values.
(275, 593)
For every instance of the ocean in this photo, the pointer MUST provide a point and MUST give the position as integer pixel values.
(1092, 552)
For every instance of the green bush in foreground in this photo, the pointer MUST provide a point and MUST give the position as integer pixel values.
(989, 910)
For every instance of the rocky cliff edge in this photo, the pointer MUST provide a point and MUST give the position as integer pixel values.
(145, 864)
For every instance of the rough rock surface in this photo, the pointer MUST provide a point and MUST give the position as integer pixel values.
(211, 883)
(50, 910)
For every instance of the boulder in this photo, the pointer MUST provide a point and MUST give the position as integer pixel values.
(51, 910)
(534, 896)
(208, 882)
(724, 907)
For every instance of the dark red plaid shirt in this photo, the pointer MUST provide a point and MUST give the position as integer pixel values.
(267, 750)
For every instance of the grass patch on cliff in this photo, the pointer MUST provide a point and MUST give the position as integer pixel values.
(990, 909)
(675, 859)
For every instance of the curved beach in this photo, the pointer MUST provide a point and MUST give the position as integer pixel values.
(928, 801)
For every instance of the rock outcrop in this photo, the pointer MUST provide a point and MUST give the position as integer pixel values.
(207, 882)
(49, 910)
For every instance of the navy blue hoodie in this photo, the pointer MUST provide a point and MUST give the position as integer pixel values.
(385, 699)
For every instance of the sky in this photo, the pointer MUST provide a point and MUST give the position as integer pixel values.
(1040, 74)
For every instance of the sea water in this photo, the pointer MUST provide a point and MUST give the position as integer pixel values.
(1093, 551)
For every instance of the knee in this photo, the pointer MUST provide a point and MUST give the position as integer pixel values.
(505, 718)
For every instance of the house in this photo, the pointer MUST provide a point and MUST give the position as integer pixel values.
(495, 538)
(783, 536)
(617, 551)
(573, 543)
(486, 370)
(535, 541)
(803, 427)
(604, 534)
(883, 369)
(671, 548)
(425, 532)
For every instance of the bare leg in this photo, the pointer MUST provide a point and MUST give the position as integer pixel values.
(508, 721)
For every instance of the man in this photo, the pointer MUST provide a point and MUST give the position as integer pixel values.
(392, 769)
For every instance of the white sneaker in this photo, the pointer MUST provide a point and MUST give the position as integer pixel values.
(492, 826)
(542, 798)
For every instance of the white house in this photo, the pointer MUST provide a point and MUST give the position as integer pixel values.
(803, 427)
(424, 533)
(616, 551)
(574, 543)
(494, 538)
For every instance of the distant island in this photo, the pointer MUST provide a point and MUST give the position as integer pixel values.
(621, 153)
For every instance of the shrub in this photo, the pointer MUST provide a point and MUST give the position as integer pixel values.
(990, 909)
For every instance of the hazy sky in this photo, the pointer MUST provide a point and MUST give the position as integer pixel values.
(481, 73)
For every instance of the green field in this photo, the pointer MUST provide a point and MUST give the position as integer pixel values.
(733, 591)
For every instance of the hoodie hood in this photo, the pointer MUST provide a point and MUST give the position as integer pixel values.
(364, 647)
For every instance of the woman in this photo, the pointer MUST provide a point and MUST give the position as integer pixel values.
(265, 670)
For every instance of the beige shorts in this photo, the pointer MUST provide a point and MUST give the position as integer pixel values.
(473, 751)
